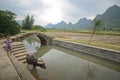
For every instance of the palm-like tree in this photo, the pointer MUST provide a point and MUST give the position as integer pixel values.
(96, 24)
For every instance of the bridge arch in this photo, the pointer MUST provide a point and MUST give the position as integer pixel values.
(45, 40)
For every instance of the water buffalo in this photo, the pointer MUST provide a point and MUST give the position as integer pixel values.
(30, 59)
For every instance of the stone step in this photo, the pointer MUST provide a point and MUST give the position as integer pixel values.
(20, 54)
(17, 46)
(17, 43)
(17, 49)
(23, 61)
(17, 52)
(21, 58)
(14, 44)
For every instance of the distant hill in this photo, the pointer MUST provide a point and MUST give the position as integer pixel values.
(83, 23)
(110, 19)
(50, 26)
(60, 25)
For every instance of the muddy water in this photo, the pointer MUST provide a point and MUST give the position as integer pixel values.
(65, 64)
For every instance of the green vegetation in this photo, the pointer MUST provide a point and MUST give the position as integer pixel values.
(1, 35)
(38, 28)
(28, 23)
(8, 25)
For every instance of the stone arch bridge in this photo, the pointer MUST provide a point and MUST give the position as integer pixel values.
(45, 40)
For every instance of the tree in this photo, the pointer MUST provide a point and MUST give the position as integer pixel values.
(28, 22)
(96, 23)
(38, 27)
(8, 25)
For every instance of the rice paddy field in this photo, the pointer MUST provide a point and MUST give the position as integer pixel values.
(109, 40)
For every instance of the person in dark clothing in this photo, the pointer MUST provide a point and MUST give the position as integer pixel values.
(30, 59)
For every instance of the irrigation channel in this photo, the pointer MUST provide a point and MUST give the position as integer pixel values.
(65, 64)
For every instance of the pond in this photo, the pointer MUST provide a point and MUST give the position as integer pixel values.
(65, 64)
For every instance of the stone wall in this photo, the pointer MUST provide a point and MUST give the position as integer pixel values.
(45, 40)
(112, 55)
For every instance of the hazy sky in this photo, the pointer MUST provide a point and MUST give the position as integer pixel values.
(53, 11)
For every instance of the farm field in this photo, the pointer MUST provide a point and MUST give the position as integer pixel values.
(110, 41)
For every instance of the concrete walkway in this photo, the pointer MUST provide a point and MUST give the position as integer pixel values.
(7, 70)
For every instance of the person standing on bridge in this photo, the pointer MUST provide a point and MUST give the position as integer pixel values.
(8, 43)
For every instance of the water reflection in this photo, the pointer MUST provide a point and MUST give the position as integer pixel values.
(32, 44)
(90, 71)
(64, 64)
